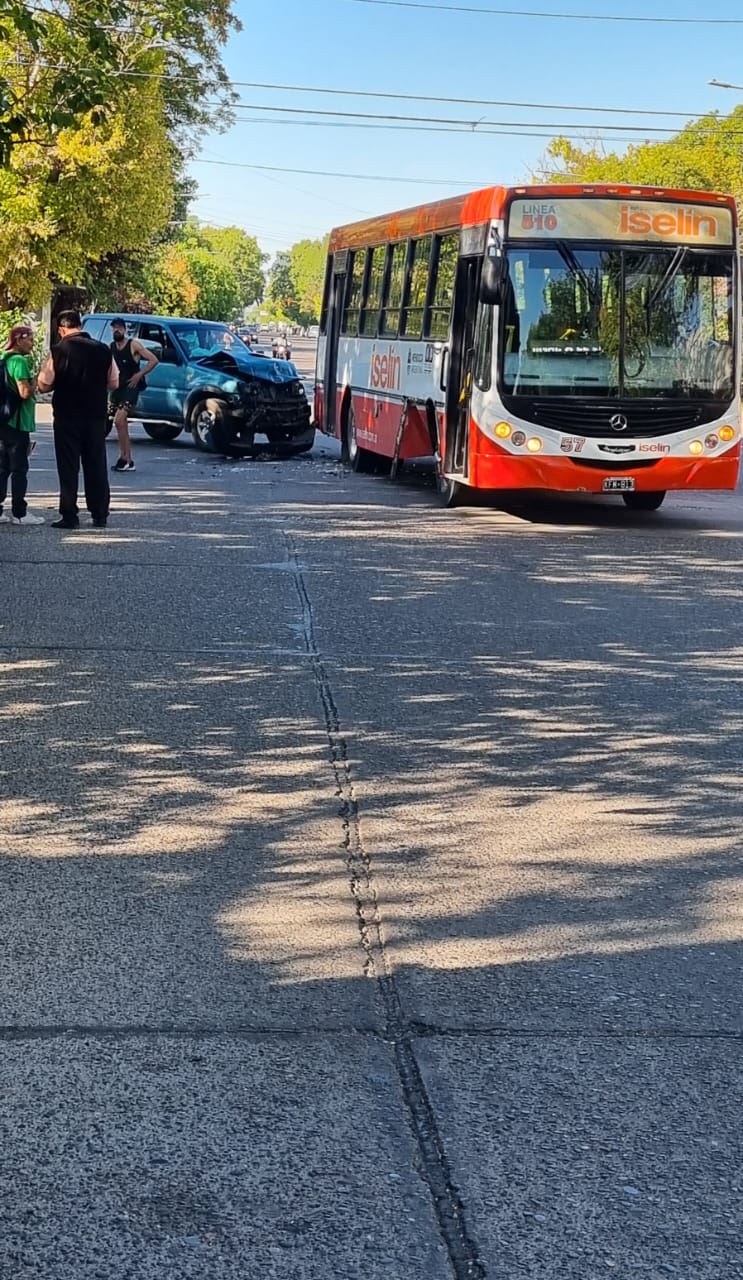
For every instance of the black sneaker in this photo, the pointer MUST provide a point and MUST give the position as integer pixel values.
(99, 524)
(120, 464)
(64, 523)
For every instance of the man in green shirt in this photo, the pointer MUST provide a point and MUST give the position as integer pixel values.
(15, 437)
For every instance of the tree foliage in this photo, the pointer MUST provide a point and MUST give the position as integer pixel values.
(296, 281)
(237, 251)
(64, 58)
(308, 259)
(707, 155)
(198, 270)
(99, 100)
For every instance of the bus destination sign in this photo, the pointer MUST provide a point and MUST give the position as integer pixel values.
(663, 221)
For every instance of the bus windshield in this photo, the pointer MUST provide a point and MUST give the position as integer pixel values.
(618, 322)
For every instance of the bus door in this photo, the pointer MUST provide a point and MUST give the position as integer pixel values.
(336, 298)
(459, 376)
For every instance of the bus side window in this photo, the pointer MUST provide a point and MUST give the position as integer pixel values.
(417, 290)
(446, 251)
(355, 291)
(373, 299)
(326, 294)
(391, 302)
(484, 348)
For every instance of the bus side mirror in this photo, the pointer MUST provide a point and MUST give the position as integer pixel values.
(494, 277)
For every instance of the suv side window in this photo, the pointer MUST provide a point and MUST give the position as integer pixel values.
(154, 335)
(94, 326)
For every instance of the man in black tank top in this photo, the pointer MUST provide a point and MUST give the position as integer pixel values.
(128, 354)
(81, 372)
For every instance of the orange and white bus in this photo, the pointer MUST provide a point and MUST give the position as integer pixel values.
(571, 338)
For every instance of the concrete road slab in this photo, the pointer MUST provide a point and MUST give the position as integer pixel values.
(584, 1158)
(164, 607)
(210, 1158)
(172, 851)
(553, 849)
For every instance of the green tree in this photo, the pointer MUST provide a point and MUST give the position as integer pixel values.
(241, 253)
(307, 262)
(281, 286)
(217, 284)
(99, 100)
(61, 206)
(168, 285)
(65, 58)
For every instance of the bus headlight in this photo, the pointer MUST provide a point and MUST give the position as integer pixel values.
(696, 446)
(518, 438)
(503, 430)
(534, 444)
(711, 442)
(727, 433)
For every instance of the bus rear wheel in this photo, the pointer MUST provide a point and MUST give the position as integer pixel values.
(644, 501)
(359, 459)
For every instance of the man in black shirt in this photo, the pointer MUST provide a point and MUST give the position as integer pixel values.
(81, 372)
(128, 354)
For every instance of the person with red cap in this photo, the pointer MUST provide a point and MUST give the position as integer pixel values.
(15, 435)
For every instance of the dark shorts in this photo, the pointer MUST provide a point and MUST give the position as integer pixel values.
(123, 398)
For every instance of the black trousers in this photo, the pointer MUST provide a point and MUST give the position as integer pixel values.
(14, 451)
(79, 441)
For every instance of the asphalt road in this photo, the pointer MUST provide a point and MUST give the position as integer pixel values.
(371, 882)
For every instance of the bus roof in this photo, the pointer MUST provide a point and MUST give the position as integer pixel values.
(477, 207)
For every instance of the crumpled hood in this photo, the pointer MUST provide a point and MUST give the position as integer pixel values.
(251, 366)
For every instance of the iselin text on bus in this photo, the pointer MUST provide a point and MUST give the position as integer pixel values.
(385, 369)
(634, 220)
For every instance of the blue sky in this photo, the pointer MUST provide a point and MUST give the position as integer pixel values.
(346, 45)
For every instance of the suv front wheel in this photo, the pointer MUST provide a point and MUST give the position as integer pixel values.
(211, 430)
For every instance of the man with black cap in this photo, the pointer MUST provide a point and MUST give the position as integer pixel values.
(81, 372)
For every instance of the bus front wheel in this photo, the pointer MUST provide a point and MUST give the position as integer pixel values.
(451, 492)
(359, 459)
(644, 501)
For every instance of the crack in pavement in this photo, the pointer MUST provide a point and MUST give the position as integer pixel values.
(433, 1165)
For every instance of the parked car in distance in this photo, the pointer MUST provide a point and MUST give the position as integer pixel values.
(210, 383)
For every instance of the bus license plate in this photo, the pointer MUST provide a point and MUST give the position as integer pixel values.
(618, 484)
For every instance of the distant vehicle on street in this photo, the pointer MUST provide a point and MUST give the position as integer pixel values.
(210, 383)
(577, 339)
(280, 348)
(258, 349)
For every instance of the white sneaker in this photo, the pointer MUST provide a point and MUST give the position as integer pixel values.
(29, 518)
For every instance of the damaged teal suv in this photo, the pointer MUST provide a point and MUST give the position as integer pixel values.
(209, 382)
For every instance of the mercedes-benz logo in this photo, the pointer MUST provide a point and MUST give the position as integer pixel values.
(618, 422)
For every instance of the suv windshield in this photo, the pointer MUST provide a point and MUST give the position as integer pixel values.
(608, 322)
(199, 338)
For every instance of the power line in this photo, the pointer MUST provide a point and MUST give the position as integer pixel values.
(530, 13)
(325, 173)
(402, 97)
(586, 135)
(467, 102)
(469, 125)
